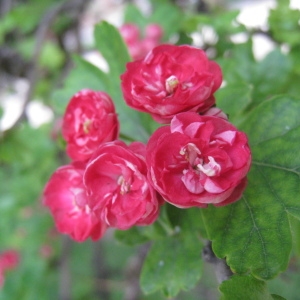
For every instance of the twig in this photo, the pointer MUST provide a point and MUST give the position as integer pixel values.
(5, 7)
(103, 286)
(222, 270)
(40, 36)
(64, 270)
(132, 273)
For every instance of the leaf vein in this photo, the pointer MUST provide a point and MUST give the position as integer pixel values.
(262, 164)
(271, 188)
(275, 137)
(256, 229)
(228, 221)
(278, 198)
(246, 246)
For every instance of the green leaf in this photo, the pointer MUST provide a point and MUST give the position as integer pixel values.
(140, 234)
(254, 233)
(111, 45)
(239, 64)
(83, 76)
(35, 10)
(284, 23)
(186, 220)
(184, 39)
(287, 284)
(295, 228)
(277, 297)
(267, 78)
(172, 264)
(131, 237)
(51, 56)
(294, 56)
(246, 288)
(168, 16)
(270, 76)
(233, 99)
(226, 23)
(133, 15)
(191, 23)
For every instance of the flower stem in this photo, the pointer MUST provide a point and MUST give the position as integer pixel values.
(166, 226)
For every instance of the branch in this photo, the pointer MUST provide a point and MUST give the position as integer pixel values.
(64, 269)
(40, 36)
(266, 33)
(222, 270)
(5, 7)
(102, 272)
(132, 273)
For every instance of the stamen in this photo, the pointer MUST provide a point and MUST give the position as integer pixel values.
(86, 126)
(210, 169)
(190, 152)
(171, 84)
(125, 186)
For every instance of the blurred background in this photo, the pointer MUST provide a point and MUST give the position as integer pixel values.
(39, 44)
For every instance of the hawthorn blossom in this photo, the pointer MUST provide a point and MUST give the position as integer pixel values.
(119, 191)
(89, 120)
(198, 160)
(9, 260)
(169, 80)
(139, 46)
(67, 199)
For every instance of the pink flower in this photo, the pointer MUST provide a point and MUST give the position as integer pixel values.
(215, 112)
(9, 259)
(130, 33)
(90, 119)
(66, 197)
(171, 79)
(46, 251)
(198, 160)
(138, 47)
(116, 179)
(2, 278)
(154, 32)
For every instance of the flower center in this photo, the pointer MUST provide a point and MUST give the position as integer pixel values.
(211, 168)
(79, 201)
(196, 175)
(193, 155)
(124, 185)
(171, 84)
(190, 152)
(86, 126)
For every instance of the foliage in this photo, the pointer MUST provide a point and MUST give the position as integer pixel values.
(258, 236)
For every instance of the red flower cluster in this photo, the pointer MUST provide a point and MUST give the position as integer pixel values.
(9, 260)
(199, 158)
(106, 184)
(138, 47)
